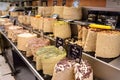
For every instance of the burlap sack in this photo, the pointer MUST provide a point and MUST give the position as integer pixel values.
(48, 24)
(17, 32)
(48, 11)
(4, 21)
(0, 13)
(61, 29)
(79, 27)
(20, 18)
(11, 29)
(22, 40)
(7, 25)
(5, 13)
(67, 74)
(90, 43)
(58, 10)
(108, 44)
(45, 11)
(40, 10)
(37, 23)
(27, 20)
(84, 34)
(48, 64)
(15, 14)
(72, 13)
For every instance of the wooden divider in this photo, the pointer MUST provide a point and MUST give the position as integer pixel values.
(92, 3)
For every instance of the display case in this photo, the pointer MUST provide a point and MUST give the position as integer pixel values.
(101, 14)
(104, 69)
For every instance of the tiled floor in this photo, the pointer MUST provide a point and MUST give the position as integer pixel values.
(5, 71)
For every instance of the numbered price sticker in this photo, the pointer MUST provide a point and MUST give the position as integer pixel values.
(59, 42)
(75, 52)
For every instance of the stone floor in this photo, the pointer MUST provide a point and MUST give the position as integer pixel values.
(5, 71)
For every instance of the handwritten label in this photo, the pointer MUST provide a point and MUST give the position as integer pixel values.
(59, 42)
(75, 52)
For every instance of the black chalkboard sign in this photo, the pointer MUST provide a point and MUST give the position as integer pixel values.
(59, 42)
(74, 52)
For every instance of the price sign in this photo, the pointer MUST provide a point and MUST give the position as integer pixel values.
(59, 42)
(75, 52)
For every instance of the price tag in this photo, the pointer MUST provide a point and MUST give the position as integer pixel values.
(75, 52)
(59, 42)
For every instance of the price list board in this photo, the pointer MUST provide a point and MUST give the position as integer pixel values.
(113, 3)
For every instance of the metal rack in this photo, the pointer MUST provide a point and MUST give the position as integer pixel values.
(38, 76)
(104, 69)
